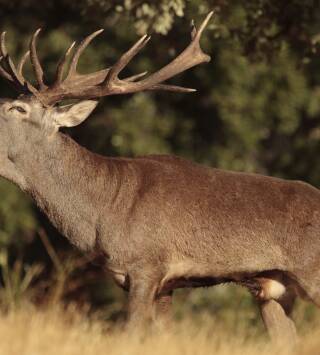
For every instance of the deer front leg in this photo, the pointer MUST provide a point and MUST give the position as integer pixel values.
(141, 303)
(280, 327)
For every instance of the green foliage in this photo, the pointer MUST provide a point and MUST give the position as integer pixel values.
(140, 128)
(16, 216)
(254, 100)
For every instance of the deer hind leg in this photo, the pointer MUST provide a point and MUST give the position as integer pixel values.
(276, 301)
(280, 327)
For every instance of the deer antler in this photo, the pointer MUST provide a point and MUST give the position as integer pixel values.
(104, 82)
(15, 75)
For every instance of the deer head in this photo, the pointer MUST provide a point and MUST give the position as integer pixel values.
(35, 113)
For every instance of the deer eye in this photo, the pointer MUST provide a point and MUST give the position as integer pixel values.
(18, 108)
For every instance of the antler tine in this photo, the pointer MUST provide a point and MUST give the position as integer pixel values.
(3, 46)
(82, 46)
(125, 59)
(35, 60)
(160, 86)
(191, 56)
(22, 63)
(197, 33)
(14, 75)
(135, 77)
(172, 88)
(27, 86)
(60, 67)
(5, 74)
(14, 71)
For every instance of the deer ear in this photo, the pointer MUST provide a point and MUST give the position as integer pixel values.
(73, 115)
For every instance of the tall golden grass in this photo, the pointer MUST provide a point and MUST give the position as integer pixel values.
(232, 327)
(56, 330)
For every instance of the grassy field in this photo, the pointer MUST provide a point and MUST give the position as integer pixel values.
(56, 330)
(222, 320)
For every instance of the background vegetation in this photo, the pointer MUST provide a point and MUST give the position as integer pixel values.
(257, 109)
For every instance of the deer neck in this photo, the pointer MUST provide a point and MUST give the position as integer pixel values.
(69, 183)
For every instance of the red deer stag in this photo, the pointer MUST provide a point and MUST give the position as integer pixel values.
(161, 222)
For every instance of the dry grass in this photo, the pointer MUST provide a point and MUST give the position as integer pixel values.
(67, 332)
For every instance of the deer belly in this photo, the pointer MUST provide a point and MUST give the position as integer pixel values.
(189, 274)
